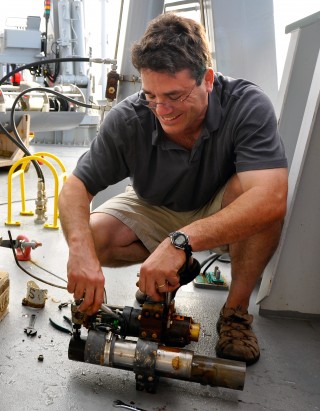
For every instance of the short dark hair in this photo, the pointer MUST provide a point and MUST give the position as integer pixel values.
(172, 43)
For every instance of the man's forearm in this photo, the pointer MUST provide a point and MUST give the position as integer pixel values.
(85, 276)
(74, 211)
(247, 215)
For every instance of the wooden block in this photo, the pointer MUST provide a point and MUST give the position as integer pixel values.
(10, 152)
(4, 294)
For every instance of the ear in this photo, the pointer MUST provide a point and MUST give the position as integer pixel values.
(209, 79)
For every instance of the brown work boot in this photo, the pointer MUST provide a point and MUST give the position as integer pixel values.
(236, 341)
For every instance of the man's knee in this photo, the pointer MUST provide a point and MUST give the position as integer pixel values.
(115, 243)
(109, 231)
(99, 224)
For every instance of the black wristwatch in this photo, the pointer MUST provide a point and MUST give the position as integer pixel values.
(181, 240)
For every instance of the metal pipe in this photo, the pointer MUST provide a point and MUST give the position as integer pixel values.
(64, 38)
(104, 42)
(110, 351)
(118, 31)
(77, 26)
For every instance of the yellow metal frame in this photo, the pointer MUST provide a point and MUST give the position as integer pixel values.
(13, 174)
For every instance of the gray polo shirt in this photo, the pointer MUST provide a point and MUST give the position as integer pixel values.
(239, 134)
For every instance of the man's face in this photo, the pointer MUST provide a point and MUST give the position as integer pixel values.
(184, 104)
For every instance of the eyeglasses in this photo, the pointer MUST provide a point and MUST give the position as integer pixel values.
(172, 101)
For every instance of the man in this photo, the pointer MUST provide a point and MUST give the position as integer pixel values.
(207, 165)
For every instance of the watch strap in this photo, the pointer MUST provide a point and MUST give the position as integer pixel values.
(188, 250)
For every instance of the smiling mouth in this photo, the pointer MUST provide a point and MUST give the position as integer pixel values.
(171, 118)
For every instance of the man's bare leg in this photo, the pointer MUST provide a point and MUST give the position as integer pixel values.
(116, 244)
(249, 257)
(248, 260)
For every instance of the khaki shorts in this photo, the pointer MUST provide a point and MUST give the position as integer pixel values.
(152, 224)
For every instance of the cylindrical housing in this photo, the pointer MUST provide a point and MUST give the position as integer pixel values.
(123, 354)
(106, 349)
(218, 372)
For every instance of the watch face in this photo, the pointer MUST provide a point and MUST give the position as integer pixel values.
(179, 239)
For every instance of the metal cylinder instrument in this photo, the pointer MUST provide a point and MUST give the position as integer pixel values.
(157, 352)
(150, 360)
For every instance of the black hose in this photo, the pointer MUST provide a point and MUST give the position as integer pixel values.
(41, 62)
(213, 258)
(17, 140)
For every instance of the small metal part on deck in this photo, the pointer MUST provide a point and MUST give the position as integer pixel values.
(30, 330)
(121, 404)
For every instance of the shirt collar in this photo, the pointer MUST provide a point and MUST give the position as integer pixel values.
(214, 111)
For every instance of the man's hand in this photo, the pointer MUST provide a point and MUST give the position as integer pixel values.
(86, 280)
(85, 277)
(159, 273)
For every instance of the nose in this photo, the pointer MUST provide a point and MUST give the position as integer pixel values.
(163, 108)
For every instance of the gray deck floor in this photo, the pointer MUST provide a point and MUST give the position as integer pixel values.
(286, 378)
